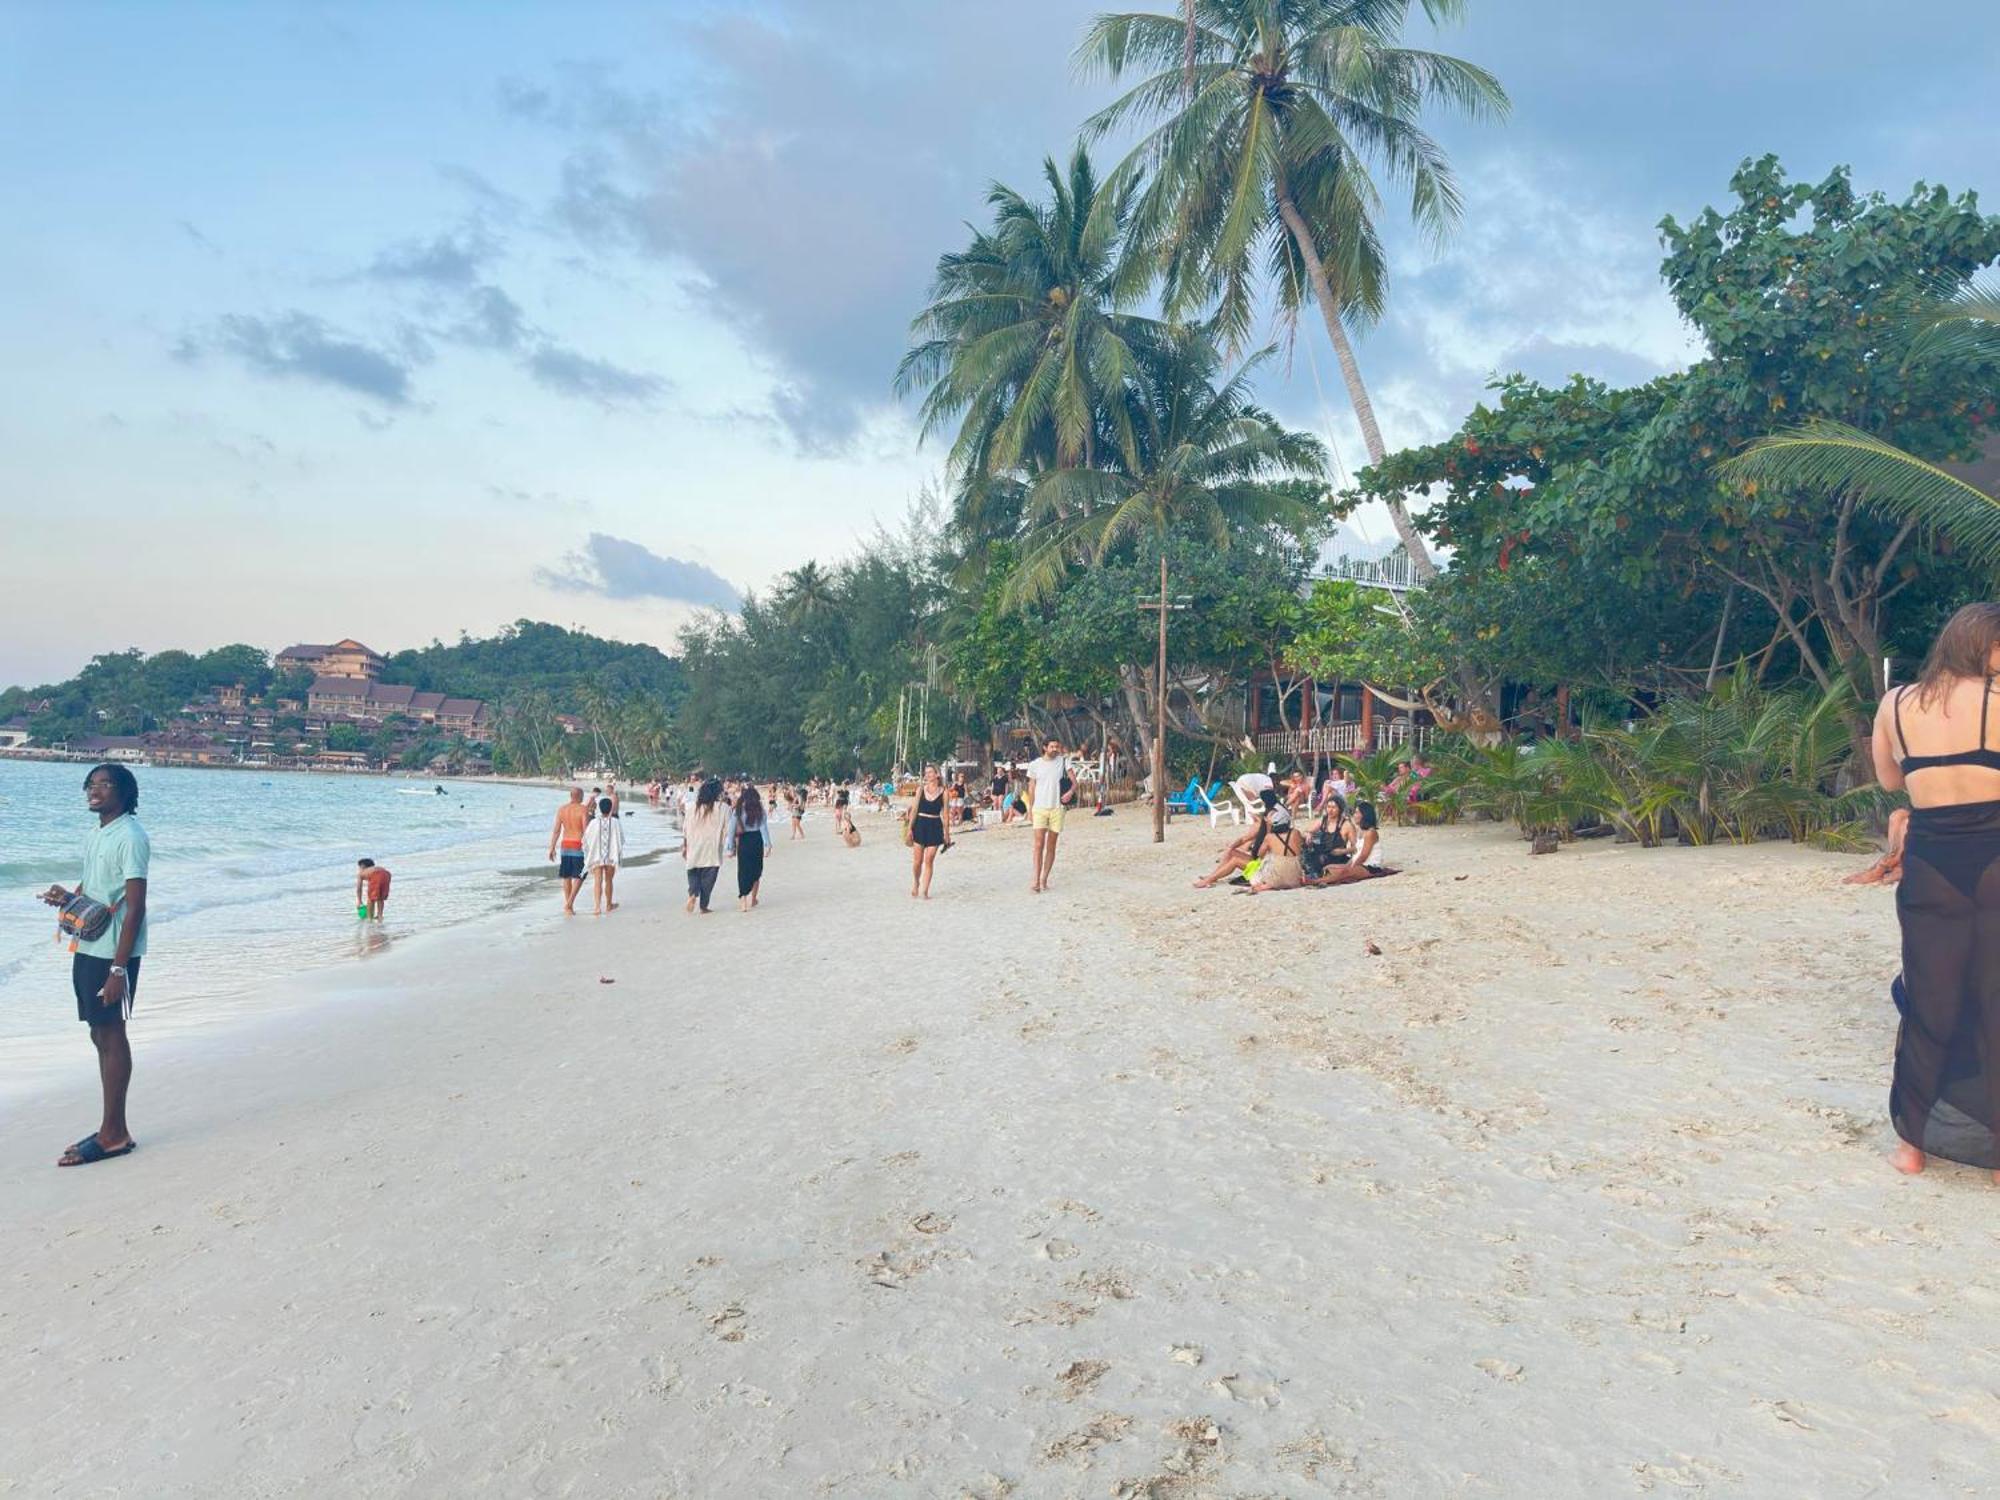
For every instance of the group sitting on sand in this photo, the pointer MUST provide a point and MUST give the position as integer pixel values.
(1276, 854)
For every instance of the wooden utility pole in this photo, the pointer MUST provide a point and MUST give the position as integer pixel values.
(1160, 711)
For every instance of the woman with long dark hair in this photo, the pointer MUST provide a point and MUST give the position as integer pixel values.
(702, 832)
(1935, 738)
(1361, 834)
(930, 831)
(749, 841)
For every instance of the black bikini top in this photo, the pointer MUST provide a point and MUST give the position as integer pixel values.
(1986, 756)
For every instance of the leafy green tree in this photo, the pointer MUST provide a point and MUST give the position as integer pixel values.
(230, 666)
(1829, 457)
(1266, 118)
(294, 683)
(1612, 503)
(531, 656)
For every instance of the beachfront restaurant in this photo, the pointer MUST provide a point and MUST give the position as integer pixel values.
(1295, 718)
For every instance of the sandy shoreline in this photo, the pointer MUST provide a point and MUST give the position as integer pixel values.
(1576, 1190)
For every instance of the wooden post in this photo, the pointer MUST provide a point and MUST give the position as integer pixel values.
(1160, 721)
(1367, 741)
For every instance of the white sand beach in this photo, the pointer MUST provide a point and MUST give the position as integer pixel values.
(1577, 1189)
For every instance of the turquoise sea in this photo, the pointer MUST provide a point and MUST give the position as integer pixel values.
(253, 880)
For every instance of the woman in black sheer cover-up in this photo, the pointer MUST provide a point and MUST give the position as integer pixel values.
(1939, 738)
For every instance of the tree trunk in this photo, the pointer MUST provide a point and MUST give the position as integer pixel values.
(1350, 373)
(1142, 722)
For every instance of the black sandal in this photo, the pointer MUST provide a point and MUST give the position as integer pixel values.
(88, 1152)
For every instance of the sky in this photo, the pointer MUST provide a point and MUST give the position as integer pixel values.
(395, 321)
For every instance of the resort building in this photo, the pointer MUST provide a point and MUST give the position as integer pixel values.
(14, 734)
(342, 659)
(364, 698)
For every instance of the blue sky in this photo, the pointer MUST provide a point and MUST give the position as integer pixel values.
(392, 321)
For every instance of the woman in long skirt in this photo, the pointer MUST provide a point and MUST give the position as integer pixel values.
(1937, 738)
(749, 841)
(702, 833)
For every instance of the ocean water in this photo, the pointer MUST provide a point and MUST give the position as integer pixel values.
(252, 880)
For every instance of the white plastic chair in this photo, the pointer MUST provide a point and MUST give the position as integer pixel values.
(1217, 811)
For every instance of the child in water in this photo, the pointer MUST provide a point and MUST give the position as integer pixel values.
(371, 890)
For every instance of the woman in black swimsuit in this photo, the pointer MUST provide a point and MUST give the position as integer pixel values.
(930, 831)
(1945, 1100)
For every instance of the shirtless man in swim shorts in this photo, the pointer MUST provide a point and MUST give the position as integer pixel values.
(571, 819)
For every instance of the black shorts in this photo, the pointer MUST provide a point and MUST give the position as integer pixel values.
(572, 866)
(87, 976)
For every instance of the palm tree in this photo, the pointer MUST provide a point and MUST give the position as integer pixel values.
(1203, 458)
(1832, 458)
(1026, 342)
(1264, 160)
(805, 592)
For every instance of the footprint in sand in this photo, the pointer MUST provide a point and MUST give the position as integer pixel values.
(1499, 1369)
(728, 1324)
(1079, 1376)
(1106, 1427)
(1788, 1412)
(1262, 1393)
(1104, 1285)
(1055, 1250)
(931, 1223)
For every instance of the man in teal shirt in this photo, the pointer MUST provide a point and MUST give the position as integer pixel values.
(105, 971)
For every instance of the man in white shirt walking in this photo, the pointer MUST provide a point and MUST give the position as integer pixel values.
(1048, 797)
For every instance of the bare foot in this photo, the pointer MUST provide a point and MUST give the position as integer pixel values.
(1907, 1158)
(1204, 884)
(690, 906)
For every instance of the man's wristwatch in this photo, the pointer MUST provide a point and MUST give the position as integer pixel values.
(119, 970)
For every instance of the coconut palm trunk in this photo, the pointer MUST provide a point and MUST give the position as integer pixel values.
(1350, 374)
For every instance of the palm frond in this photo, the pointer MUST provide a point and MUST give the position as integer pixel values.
(1831, 458)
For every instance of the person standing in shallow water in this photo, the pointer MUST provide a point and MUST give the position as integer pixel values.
(104, 972)
(567, 835)
(701, 845)
(603, 848)
(1936, 739)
